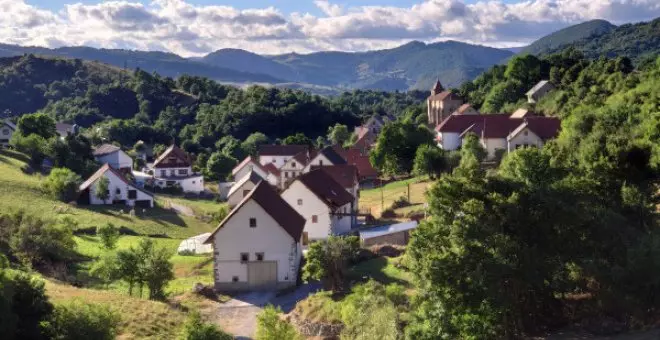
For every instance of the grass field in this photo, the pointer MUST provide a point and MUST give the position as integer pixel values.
(200, 207)
(23, 192)
(382, 269)
(371, 198)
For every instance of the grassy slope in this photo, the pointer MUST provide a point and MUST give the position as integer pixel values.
(21, 191)
(372, 198)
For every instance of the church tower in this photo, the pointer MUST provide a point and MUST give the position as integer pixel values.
(441, 103)
(437, 88)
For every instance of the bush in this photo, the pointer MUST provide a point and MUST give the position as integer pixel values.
(37, 242)
(271, 327)
(396, 293)
(24, 306)
(220, 215)
(62, 184)
(81, 321)
(196, 329)
(388, 213)
(368, 314)
(400, 202)
(108, 235)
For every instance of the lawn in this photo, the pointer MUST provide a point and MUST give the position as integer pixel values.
(385, 270)
(371, 198)
(20, 191)
(200, 207)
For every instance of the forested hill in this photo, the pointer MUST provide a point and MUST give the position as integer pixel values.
(568, 35)
(635, 41)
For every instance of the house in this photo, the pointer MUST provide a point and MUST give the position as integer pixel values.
(367, 174)
(274, 175)
(539, 91)
(396, 234)
(279, 154)
(64, 129)
(242, 188)
(293, 168)
(324, 203)
(326, 156)
(257, 246)
(497, 131)
(441, 104)
(174, 168)
(248, 165)
(347, 176)
(467, 109)
(113, 155)
(7, 129)
(120, 190)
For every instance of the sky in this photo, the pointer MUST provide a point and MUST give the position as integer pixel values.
(197, 27)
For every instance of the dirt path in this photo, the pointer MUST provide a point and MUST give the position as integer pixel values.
(181, 209)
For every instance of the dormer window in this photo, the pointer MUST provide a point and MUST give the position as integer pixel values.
(253, 222)
(293, 164)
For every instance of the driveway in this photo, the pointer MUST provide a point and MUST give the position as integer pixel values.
(238, 316)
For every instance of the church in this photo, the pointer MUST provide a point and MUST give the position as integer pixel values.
(441, 104)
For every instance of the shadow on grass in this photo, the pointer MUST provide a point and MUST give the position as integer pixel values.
(373, 270)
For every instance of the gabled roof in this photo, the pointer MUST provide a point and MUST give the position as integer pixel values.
(105, 149)
(458, 123)
(355, 157)
(539, 86)
(464, 108)
(101, 171)
(174, 151)
(544, 127)
(344, 174)
(252, 177)
(445, 95)
(245, 162)
(302, 157)
(10, 124)
(332, 155)
(281, 150)
(271, 168)
(521, 113)
(326, 188)
(264, 195)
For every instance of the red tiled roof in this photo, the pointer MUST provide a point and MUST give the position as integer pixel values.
(355, 157)
(281, 150)
(544, 127)
(344, 174)
(173, 150)
(463, 108)
(271, 168)
(445, 95)
(245, 162)
(326, 188)
(264, 195)
(498, 125)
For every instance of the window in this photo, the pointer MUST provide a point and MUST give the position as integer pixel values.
(526, 133)
(163, 173)
(293, 164)
(286, 174)
(118, 191)
(245, 192)
(305, 238)
(299, 201)
(260, 256)
(320, 162)
(183, 172)
(245, 257)
(132, 194)
(315, 219)
(253, 222)
(5, 131)
(234, 279)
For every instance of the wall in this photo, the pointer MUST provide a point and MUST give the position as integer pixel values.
(342, 224)
(492, 144)
(172, 172)
(277, 160)
(312, 205)
(319, 160)
(5, 134)
(237, 196)
(236, 237)
(290, 171)
(117, 160)
(398, 238)
(246, 171)
(188, 184)
(525, 137)
(450, 140)
(116, 183)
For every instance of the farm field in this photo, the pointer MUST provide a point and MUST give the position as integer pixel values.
(371, 198)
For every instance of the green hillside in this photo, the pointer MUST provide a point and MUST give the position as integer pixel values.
(20, 191)
(568, 35)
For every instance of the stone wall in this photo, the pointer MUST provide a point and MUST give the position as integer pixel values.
(323, 330)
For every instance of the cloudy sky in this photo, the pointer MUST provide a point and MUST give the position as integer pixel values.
(196, 27)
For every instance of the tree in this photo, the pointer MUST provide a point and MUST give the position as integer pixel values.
(156, 270)
(251, 144)
(429, 160)
(369, 314)
(32, 145)
(103, 188)
(297, 139)
(36, 242)
(338, 134)
(80, 321)
(196, 329)
(397, 145)
(108, 234)
(219, 166)
(24, 306)
(327, 260)
(271, 327)
(62, 184)
(38, 123)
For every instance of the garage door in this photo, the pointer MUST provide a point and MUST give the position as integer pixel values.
(262, 275)
(143, 203)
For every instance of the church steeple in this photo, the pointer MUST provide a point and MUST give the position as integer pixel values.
(437, 88)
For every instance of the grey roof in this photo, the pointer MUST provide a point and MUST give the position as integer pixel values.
(387, 229)
(332, 155)
(10, 124)
(106, 149)
(252, 177)
(538, 86)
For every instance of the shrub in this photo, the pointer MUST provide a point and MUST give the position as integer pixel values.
(220, 215)
(396, 293)
(271, 327)
(400, 203)
(62, 184)
(388, 213)
(196, 329)
(327, 260)
(368, 315)
(37, 242)
(108, 234)
(81, 321)
(25, 309)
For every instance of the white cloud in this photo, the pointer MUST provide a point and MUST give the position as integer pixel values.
(180, 27)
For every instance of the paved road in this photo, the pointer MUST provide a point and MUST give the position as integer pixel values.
(239, 315)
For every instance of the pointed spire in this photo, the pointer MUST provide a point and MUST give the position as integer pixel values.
(437, 88)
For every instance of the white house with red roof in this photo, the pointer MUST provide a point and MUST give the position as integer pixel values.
(120, 190)
(248, 165)
(174, 168)
(278, 155)
(258, 245)
(113, 155)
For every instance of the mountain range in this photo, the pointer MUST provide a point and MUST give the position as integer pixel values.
(415, 65)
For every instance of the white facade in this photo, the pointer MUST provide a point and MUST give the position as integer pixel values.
(491, 145)
(278, 161)
(117, 160)
(119, 190)
(449, 140)
(291, 169)
(237, 194)
(247, 168)
(319, 160)
(6, 131)
(236, 237)
(273, 179)
(523, 138)
(320, 222)
(190, 184)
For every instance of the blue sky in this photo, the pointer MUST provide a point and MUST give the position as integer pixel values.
(191, 28)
